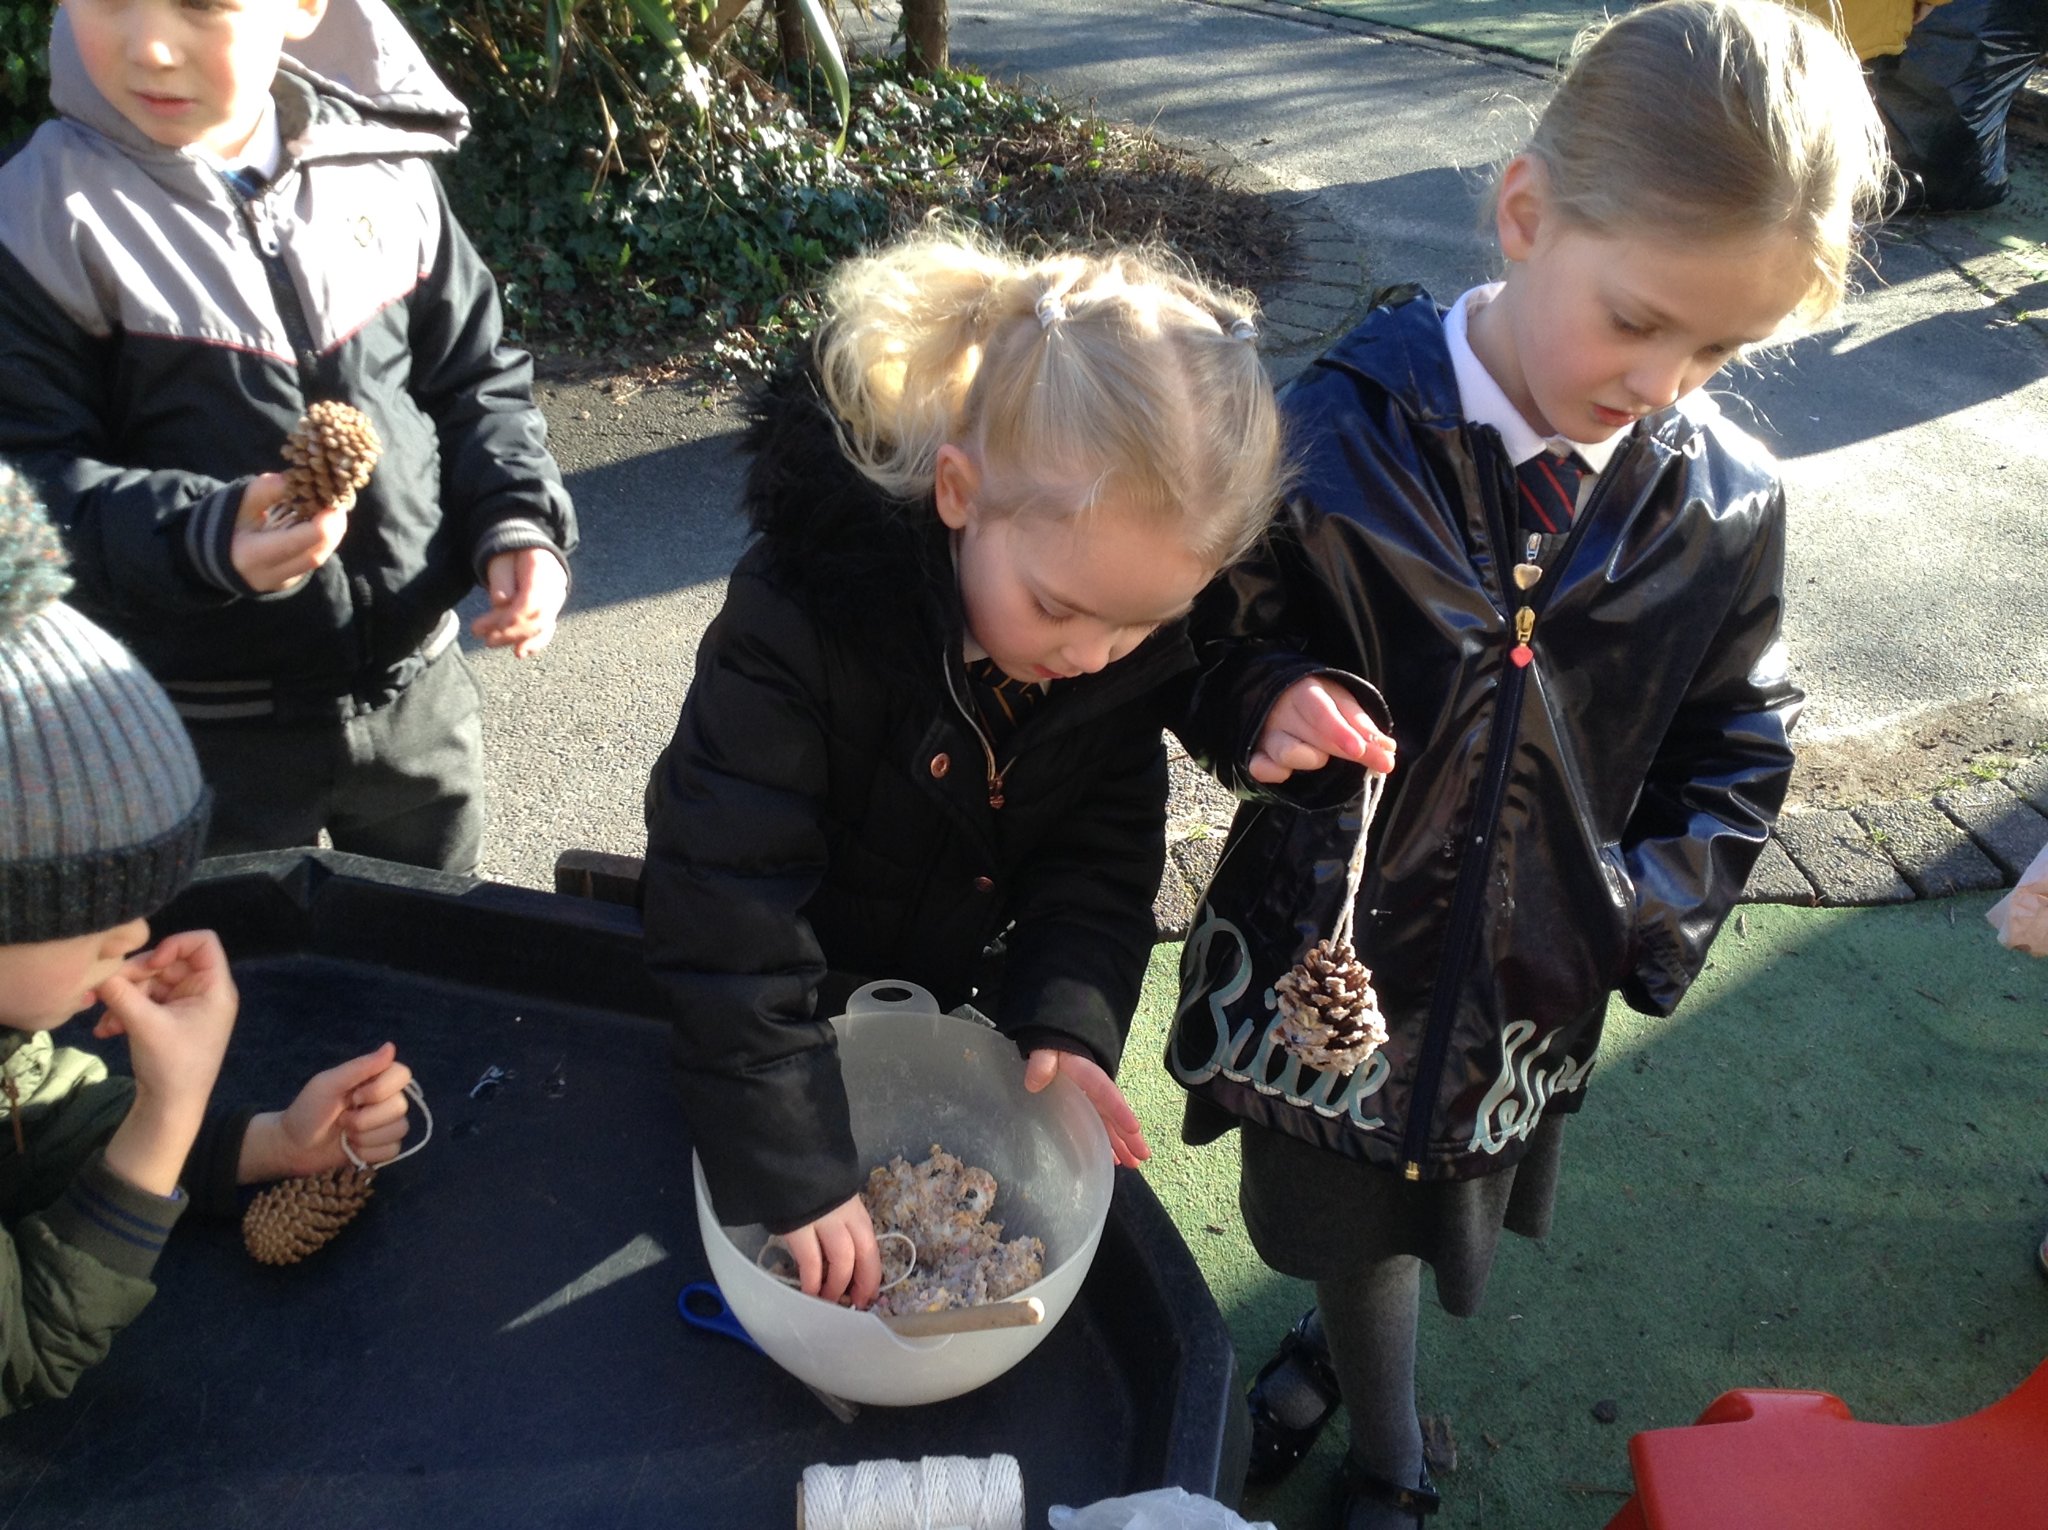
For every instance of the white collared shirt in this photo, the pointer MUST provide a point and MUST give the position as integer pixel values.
(264, 151)
(1484, 403)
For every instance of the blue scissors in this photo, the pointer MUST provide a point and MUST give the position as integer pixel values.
(703, 1305)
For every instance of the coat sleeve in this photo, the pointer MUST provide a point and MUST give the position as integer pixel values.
(1082, 903)
(499, 482)
(1715, 788)
(735, 849)
(1254, 637)
(141, 540)
(75, 1267)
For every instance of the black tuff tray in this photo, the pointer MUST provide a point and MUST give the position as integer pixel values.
(495, 1341)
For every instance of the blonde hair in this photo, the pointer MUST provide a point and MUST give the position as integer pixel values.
(1069, 379)
(1709, 118)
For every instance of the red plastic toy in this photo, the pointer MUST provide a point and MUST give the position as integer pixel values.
(1798, 1461)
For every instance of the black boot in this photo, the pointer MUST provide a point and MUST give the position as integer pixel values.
(1359, 1489)
(1290, 1400)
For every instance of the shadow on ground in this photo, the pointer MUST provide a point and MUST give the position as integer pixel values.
(1826, 1171)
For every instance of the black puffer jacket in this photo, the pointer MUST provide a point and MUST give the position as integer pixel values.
(822, 817)
(1552, 833)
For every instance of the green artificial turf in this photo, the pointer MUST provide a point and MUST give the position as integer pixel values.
(1829, 1170)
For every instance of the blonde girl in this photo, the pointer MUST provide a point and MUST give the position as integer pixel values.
(1522, 520)
(922, 740)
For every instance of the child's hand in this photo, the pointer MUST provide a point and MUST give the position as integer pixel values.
(277, 558)
(176, 1005)
(527, 590)
(1126, 1136)
(837, 1256)
(1312, 723)
(362, 1099)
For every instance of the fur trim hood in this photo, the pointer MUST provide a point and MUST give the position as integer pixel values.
(857, 560)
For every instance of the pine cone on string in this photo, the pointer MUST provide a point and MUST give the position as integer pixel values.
(296, 1217)
(331, 452)
(1329, 1015)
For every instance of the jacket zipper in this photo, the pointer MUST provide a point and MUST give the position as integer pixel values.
(284, 293)
(256, 217)
(1472, 869)
(988, 748)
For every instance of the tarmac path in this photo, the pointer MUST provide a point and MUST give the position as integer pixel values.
(1914, 432)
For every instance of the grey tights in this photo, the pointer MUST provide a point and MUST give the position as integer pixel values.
(1369, 1320)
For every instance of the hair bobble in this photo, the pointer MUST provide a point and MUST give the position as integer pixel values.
(1051, 309)
(1244, 329)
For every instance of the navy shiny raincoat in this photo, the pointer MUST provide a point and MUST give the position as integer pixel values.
(1552, 833)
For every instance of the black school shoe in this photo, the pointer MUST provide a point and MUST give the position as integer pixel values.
(1290, 1400)
(1358, 1489)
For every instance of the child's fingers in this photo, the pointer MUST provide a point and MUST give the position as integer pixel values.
(867, 1272)
(810, 1263)
(374, 1117)
(377, 1144)
(835, 1243)
(1042, 1068)
(127, 1005)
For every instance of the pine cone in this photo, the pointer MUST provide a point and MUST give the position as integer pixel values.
(294, 1217)
(1330, 1017)
(331, 451)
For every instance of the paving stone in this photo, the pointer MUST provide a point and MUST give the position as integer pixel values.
(1931, 852)
(1194, 802)
(1837, 856)
(1173, 906)
(2005, 827)
(1317, 292)
(1324, 318)
(2029, 780)
(1199, 858)
(1189, 865)
(1284, 336)
(1333, 248)
(1777, 880)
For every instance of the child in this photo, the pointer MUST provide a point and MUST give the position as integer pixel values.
(211, 236)
(102, 823)
(922, 741)
(1581, 658)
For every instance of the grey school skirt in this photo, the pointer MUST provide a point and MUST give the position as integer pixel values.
(1314, 1214)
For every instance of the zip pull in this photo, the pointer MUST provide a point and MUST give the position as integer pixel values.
(1525, 627)
(995, 788)
(1528, 571)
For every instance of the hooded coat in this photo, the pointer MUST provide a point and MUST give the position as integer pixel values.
(160, 335)
(826, 814)
(1551, 833)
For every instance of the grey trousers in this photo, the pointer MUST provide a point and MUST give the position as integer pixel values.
(402, 781)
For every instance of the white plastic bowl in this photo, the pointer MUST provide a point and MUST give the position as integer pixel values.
(914, 1077)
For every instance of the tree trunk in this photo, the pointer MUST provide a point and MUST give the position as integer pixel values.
(789, 32)
(924, 37)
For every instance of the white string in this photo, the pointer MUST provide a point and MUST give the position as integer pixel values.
(413, 1093)
(934, 1493)
(1375, 785)
(777, 1241)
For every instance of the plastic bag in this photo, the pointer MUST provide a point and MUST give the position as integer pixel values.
(1159, 1509)
(1944, 100)
(2021, 916)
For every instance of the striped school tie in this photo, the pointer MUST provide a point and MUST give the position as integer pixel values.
(1000, 701)
(1549, 483)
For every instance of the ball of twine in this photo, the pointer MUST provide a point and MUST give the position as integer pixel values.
(957, 1492)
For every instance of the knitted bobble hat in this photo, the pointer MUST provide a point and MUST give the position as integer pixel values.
(102, 807)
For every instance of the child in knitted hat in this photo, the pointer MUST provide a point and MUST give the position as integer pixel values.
(102, 813)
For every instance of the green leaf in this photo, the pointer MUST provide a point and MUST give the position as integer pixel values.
(825, 43)
(554, 37)
(654, 15)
